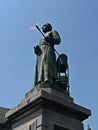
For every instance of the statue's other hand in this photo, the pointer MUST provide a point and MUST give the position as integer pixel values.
(37, 49)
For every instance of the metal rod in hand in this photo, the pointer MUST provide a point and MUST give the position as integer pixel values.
(40, 31)
(44, 36)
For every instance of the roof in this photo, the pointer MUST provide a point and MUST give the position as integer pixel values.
(2, 114)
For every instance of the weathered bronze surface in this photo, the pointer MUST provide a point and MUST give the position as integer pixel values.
(49, 68)
(46, 68)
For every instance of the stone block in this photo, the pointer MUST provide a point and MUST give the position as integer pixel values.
(47, 109)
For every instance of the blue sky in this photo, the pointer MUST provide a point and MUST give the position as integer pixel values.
(77, 23)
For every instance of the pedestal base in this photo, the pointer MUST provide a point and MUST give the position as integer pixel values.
(47, 109)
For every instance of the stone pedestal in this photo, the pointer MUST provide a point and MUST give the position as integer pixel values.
(47, 109)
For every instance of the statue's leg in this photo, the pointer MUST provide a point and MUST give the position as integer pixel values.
(46, 72)
(40, 70)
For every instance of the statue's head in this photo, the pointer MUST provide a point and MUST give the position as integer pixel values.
(46, 27)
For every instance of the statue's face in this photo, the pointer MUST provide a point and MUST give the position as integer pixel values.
(47, 27)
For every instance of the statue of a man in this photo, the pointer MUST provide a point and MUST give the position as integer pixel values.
(46, 68)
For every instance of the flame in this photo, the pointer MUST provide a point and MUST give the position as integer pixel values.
(34, 27)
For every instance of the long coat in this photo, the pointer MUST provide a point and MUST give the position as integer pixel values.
(46, 69)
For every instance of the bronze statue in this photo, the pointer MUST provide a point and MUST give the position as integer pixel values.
(46, 68)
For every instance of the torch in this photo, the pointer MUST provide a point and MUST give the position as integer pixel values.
(36, 26)
(40, 30)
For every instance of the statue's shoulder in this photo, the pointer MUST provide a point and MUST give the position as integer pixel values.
(56, 36)
(55, 33)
